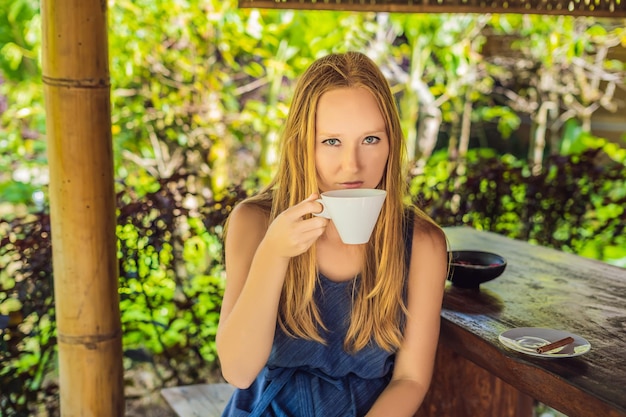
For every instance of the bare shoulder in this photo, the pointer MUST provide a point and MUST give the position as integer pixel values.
(249, 214)
(246, 227)
(429, 254)
(428, 236)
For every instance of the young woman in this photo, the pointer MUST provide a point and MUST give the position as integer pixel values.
(311, 326)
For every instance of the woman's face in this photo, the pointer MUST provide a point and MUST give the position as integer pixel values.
(351, 143)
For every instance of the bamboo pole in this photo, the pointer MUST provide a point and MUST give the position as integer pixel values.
(82, 207)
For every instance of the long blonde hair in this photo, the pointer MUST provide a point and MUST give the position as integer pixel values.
(378, 303)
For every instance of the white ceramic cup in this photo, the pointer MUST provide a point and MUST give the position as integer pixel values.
(354, 212)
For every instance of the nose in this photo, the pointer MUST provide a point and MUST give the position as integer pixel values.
(350, 161)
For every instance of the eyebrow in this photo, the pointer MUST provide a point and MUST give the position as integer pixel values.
(368, 133)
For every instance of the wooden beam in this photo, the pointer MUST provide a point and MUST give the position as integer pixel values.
(82, 207)
(599, 8)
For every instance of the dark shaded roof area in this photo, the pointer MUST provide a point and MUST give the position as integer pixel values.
(597, 8)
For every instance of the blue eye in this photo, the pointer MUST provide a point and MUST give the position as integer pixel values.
(371, 140)
(331, 142)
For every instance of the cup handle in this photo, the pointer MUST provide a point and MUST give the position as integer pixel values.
(324, 213)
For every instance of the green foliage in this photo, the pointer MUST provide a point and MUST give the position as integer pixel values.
(28, 343)
(507, 120)
(21, 107)
(170, 285)
(20, 38)
(171, 280)
(576, 204)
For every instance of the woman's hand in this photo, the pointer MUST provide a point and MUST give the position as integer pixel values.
(292, 232)
(257, 258)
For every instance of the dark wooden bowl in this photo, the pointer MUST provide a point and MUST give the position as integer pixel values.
(470, 268)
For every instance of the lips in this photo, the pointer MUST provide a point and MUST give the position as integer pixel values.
(353, 184)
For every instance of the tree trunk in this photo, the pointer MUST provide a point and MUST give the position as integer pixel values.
(429, 125)
(539, 136)
(82, 207)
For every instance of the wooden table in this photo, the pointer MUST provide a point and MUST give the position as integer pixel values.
(476, 376)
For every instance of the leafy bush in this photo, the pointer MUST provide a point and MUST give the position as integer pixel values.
(28, 343)
(576, 204)
(171, 281)
(171, 285)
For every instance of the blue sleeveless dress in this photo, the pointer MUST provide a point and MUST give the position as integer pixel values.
(308, 379)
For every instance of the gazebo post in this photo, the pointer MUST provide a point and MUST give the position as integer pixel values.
(82, 206)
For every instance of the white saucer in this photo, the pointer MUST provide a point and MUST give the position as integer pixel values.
(528, 339)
